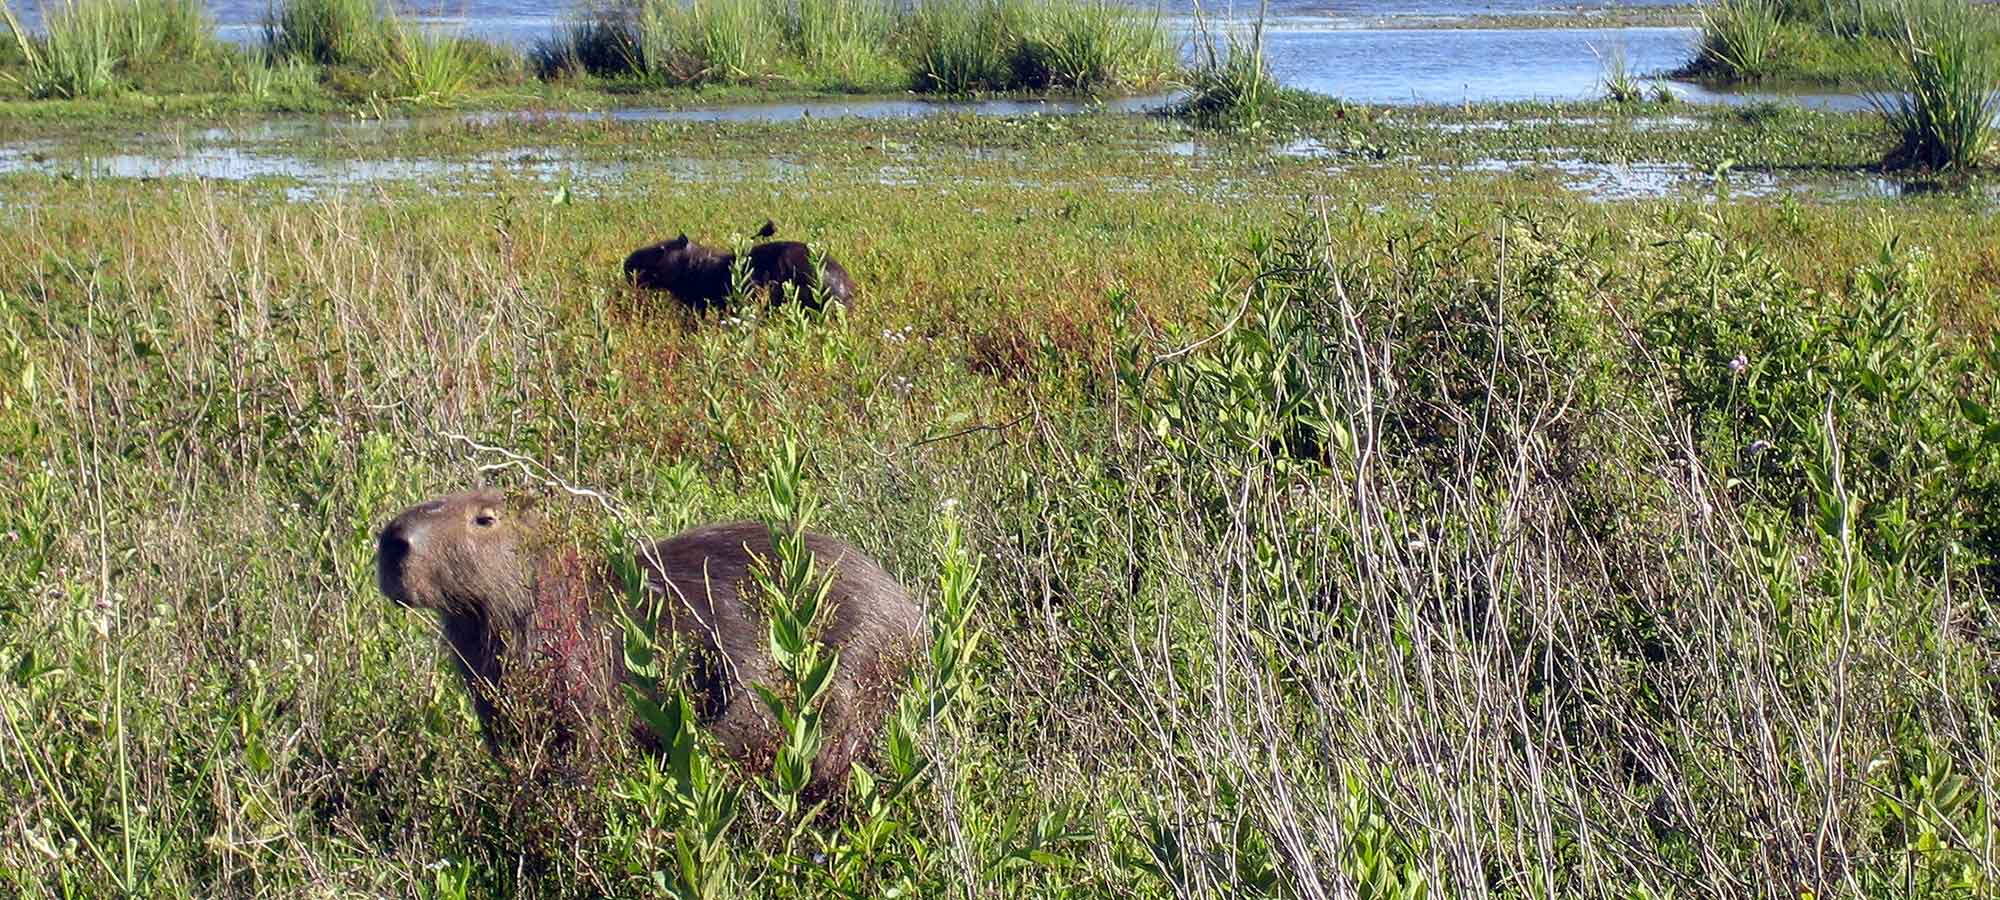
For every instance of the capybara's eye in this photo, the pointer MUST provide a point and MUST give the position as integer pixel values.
(483, 520)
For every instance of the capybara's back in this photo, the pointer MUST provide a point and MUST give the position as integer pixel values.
(874, 624)
(512, 601)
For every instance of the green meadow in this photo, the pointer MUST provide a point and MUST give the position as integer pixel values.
(1309, 500)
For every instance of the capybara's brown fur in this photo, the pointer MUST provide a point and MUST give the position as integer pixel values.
(700, 277)
(521, 613)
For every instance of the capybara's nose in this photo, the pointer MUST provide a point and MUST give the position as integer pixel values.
(392, 547)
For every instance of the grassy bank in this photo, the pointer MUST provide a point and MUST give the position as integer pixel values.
(1335, 535)
(323, 54)
(1823, 45)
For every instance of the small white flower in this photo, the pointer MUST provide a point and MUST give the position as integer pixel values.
(1739, 365)
(948, 505)
(1757, 447)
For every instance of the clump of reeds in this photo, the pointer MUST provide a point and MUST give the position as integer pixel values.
(1944, 96)
(1089, 45)
(840, 38)
(597, 43)
(707, 40)
(1620, 85)
(74, 58)
(328, 32)
(1741, 37)
(961, 46)
(426, 65)
(85, 43)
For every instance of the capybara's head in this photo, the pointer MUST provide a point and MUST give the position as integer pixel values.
(459, 554)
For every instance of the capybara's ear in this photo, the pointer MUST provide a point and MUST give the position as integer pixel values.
(770, 228)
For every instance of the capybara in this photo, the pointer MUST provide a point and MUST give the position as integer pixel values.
(521, 609)
(700, 277)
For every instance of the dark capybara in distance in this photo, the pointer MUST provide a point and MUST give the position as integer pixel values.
(527, 621)
(699, 276)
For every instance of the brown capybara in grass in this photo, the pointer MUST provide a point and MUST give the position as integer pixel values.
(527, 621)
(700, 277)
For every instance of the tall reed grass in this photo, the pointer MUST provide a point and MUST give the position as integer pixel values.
(846, 39)
(689, 41)
(328, 32)
(426, 65)
(85, 44)
(1741, 37)
(1943, 100)
(946, 46)
(77, 55)
(593, 43)
(960, 46)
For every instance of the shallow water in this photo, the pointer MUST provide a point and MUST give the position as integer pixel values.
(1469, 65)
(1340, 49)
(233, 156)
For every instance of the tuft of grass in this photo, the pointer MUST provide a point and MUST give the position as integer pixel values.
(266, 80)
(958, 46)
(327, 32)
(1620, 85)
(1944, 98)
(426, 66)
(602, 43)
(965, 46)
(1229, 87)
(844, 39)
(1090, 45)
(1741, 37)
(78, 53)
(694, 41)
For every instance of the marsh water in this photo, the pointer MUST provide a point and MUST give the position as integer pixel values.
(1371, 51)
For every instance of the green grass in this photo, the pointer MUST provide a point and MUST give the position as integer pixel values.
(1633, 549)
(1742, 37)
(327, 32)
(967, 46)
(844, 39)
(76, 59)
(709, 40)
(1943, 102)
(427, 66)
(86, 45)
(603, 46)
(1800, 43)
